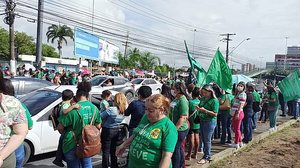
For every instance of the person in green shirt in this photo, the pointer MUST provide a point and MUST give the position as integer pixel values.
(256, 104)
(106, 96)
(180, 110)
(72, 123)
(208, 111)
(153, 141)
(273, 106)
(73, 80)
(193, 136)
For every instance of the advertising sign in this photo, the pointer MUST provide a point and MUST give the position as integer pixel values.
(86, 44)
(108, 52)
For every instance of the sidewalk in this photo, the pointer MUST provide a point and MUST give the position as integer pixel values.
(220, 151)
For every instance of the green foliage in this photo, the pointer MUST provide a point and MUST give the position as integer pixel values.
(24, 44)
(163, 68)
(59, 33)
(4, 44)
(136, 59)
(49, 51)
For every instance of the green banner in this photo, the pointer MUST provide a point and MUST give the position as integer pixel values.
(290, 87)
(195, 65)
(219, 72)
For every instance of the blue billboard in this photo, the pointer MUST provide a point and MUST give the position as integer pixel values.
(86, 44)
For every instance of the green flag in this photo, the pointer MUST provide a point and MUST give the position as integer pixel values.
(219, 72)
(290, 87)
(195, 65)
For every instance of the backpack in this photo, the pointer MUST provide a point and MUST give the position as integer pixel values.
(55, 115)
(89, 143)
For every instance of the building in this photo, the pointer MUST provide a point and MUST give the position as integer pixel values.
(247, 67)
(291, 60)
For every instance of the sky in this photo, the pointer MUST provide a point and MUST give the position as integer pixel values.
(265, 22)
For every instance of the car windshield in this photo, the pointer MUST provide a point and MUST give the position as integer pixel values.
(38, 100)
(95, 81)
(137, 81)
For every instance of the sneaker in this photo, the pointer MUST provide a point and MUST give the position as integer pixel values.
(271, 129)
(282, 115)
(237, 146)
(58, 163)
(241, 144)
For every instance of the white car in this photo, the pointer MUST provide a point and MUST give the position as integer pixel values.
(42, 138)
(152, 83)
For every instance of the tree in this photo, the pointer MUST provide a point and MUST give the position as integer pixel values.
(148, 61)
(24, 43)
(49, 51)
(163, 68)
(59, 33)
(4, 47)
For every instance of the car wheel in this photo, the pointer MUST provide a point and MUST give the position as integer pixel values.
(27, 151)
(129, 95)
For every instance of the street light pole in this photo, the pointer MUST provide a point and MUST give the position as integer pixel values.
(227, 39)
(239, 45)
(194, 42)
(285, 57)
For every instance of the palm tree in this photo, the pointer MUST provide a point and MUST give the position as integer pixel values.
(148, 61)
(60, 33)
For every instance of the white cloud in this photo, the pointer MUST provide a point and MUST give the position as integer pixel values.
(266, 22)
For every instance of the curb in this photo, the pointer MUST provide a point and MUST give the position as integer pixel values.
(230, 151)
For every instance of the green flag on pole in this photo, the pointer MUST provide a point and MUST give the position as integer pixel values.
(219, 72)
(195, 65)
(290, 87)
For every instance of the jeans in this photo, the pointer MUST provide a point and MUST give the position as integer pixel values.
(264, 112)
(59, 153)
(217, 132)
(224, 117)
(273, 116)
(282, 106)
(254, 119)
(108, 139)
(247, 125)
(178, 155)
(229, 138)
(236, 125)
(74, 162)
(20, 156)
(207, 130)
(295, 108)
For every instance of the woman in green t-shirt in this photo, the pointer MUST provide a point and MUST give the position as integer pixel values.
(208, 111)
(153, 141)
(180, 110)
(193, 136)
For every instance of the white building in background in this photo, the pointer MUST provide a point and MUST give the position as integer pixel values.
(55, 63)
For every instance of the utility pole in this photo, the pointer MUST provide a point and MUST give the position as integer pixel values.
(9, 20)
(39, 34)
(227, 39)
(126, 45)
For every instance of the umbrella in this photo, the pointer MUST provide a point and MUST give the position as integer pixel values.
(241, 78)
(29, 66)
(86, 72)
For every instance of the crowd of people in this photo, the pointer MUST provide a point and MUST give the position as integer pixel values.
(165, 129)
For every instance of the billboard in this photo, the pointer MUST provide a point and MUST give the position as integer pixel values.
(86, 44)
(108, 52)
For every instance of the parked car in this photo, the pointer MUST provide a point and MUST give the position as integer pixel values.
(152, 83)
(42, 138)
(25, 85)
(115, 83)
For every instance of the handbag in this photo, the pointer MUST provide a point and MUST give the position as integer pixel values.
(226, 104)
(123, 134)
